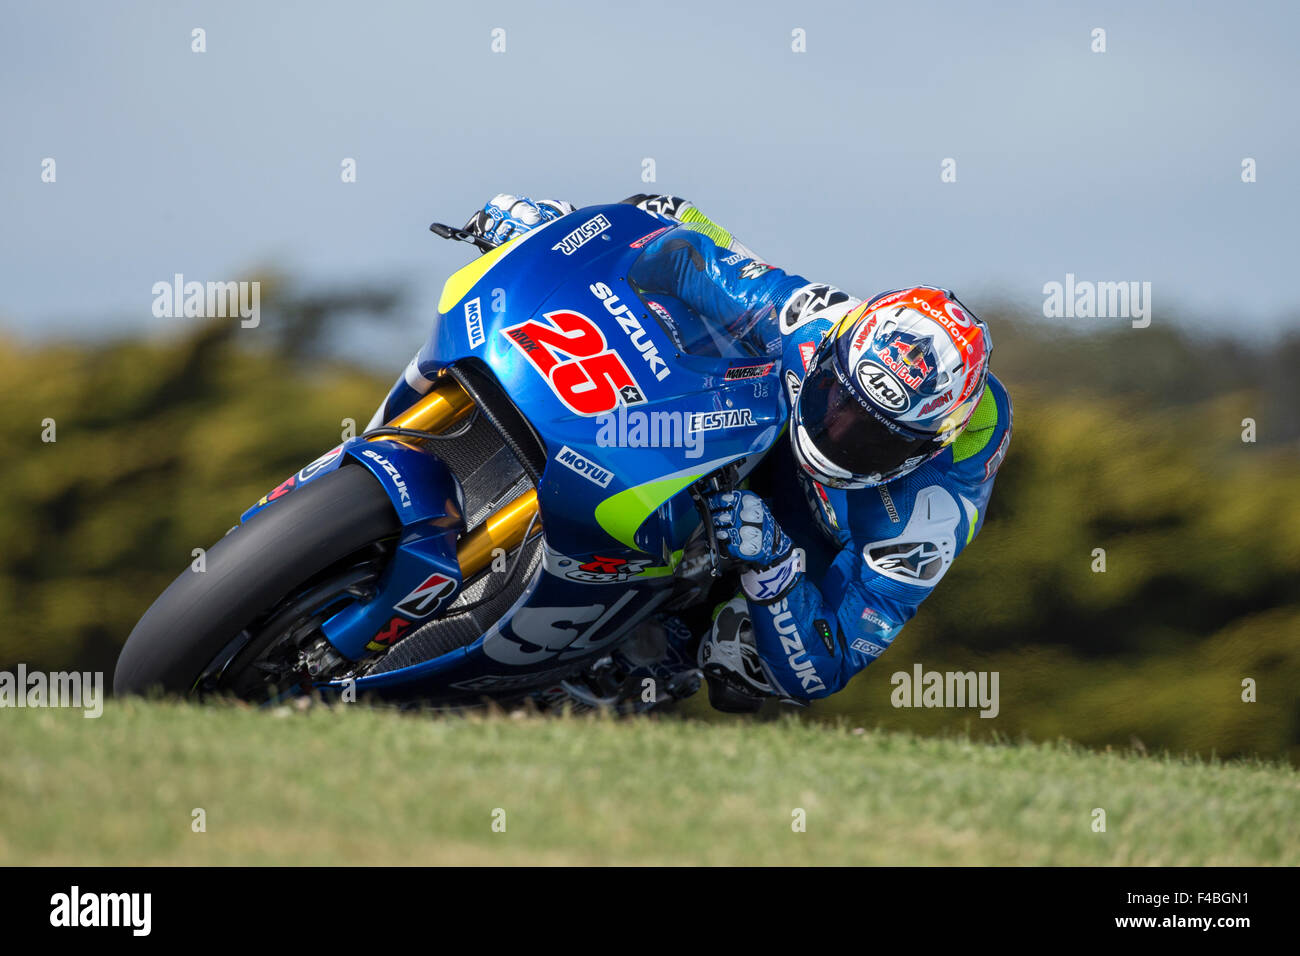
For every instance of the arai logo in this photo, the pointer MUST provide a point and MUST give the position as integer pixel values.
(882, 386)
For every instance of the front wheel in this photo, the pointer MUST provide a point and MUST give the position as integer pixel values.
(240, 625)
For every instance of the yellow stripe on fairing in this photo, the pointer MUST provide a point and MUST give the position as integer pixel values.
(462, 280)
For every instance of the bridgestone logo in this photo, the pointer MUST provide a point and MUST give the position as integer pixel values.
(583, 234)
(585, 467)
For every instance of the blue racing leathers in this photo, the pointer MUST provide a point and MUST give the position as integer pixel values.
(865, 559)
(871, 555)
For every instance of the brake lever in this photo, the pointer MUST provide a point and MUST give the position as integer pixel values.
(724, 479)
(463, 235)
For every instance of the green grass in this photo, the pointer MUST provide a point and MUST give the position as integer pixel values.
(367, 786)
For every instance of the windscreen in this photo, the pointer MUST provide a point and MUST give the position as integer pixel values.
(711, 323)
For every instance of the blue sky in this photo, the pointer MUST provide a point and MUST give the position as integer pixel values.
(1123, 165)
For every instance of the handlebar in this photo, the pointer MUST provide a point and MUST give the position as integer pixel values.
(463, 235)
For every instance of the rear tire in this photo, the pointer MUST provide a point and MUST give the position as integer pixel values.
(247, 572)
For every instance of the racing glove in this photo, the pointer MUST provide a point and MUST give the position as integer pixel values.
(506, 217)
(747, 533)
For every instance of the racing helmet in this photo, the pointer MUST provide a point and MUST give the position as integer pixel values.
(890, 386)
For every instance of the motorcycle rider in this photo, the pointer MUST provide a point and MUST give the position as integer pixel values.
(897, 430)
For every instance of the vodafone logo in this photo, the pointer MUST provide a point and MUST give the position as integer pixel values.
(929, 310)
(956, 322)
(949, 311)
(888, 300)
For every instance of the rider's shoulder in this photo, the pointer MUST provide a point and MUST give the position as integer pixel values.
(968, 463)
(811, 310)
(978, 451)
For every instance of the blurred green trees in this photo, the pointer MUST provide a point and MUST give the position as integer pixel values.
(160, 445)
(1126, 440)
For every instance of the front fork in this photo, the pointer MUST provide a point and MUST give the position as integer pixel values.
(431, 562)
(443, 407)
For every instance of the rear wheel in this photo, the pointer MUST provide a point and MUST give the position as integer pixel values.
(249, 622)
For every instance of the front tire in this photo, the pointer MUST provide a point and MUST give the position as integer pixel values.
(247, 572)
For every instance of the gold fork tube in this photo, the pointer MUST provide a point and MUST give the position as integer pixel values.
(445, 405)
(504, 529)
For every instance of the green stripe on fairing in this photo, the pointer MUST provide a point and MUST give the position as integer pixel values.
(621, 514)
(663, 570)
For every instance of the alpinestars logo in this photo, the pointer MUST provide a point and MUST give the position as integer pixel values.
(792, 647)
(818, 297)
(918, 561)
(771, 583)
(662, 205)
(809, 303)
(582, 235)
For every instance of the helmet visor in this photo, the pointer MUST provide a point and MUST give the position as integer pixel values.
(846, 431)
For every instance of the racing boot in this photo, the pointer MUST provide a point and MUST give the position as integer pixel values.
(730, 661)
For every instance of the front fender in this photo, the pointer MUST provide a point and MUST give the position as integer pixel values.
(421, 487)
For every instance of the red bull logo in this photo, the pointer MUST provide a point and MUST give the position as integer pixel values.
(906, 360)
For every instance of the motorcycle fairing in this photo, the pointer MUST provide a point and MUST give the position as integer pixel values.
(616, 514)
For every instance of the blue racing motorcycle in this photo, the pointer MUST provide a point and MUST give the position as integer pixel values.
(512, 526)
